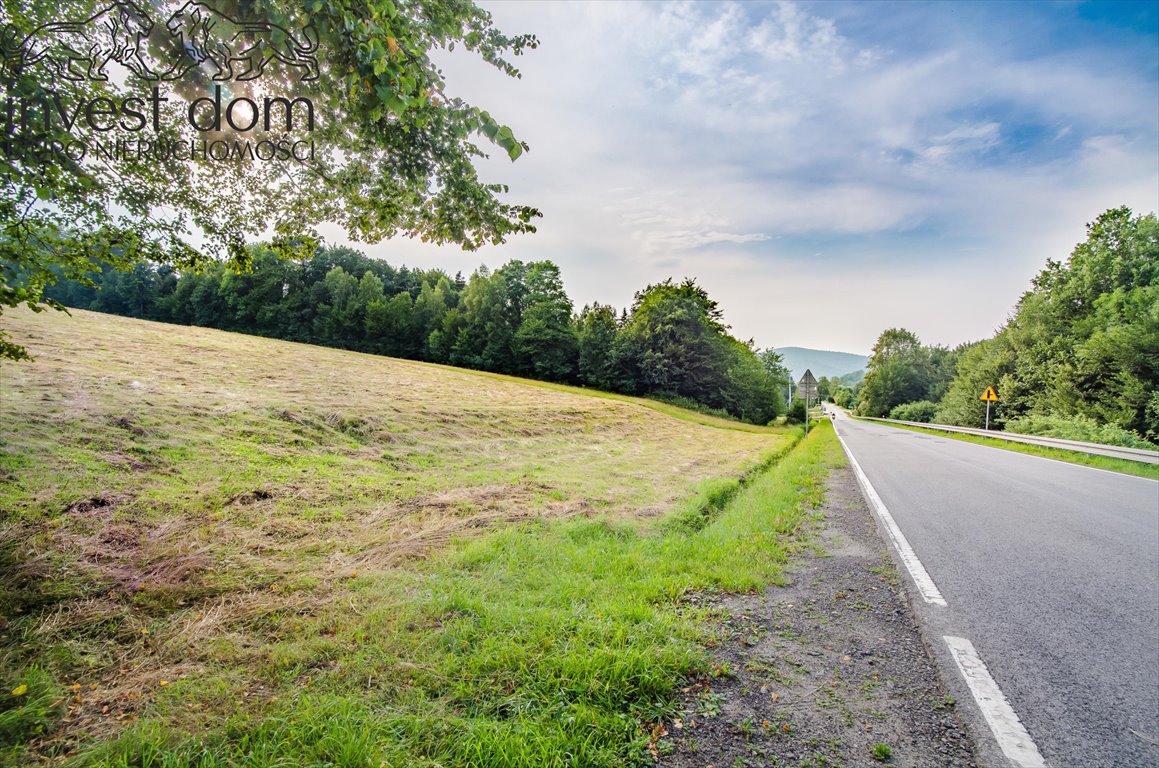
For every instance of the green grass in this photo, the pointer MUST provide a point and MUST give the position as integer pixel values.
(546, 644)
(223, 550)
(29, 704)
(1110, 463)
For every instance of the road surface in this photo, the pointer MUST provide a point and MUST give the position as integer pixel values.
(1050, 571)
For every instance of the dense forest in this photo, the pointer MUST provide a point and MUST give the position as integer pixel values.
(1078, 357)
(671, 344)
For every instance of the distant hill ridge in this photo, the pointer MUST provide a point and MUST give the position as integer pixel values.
(821, 362)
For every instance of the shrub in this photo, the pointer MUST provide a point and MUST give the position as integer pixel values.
(1077, 427)
(797, 412)
(922, 410)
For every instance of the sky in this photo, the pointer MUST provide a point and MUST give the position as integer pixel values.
(824, 170)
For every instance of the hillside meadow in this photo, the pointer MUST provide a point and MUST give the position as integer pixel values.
(219, 549)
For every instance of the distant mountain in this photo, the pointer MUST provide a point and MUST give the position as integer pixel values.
(821, 362)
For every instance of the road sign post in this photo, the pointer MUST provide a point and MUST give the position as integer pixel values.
(990, 396)
(807, 388)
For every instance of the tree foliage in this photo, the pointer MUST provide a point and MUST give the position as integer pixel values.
(902, 370)
(1078, 356)
(1083, 342)
(675, 339)
(599, 342)
(675, 342)
(545, 343)
(393, 149)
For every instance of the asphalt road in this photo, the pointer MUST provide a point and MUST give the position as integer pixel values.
(1050, 569)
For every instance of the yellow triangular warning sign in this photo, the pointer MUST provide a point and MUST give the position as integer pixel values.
(990, 395)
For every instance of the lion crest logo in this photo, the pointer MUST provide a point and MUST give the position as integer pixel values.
(214, 39)
(200, 36)
(79, 50)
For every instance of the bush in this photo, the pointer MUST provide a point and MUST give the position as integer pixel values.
(922, 410)
(1077, 427)
(796, 413)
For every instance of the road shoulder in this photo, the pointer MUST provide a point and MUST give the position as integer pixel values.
(822, 670)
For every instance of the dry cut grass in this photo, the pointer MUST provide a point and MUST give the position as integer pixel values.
(170, 495)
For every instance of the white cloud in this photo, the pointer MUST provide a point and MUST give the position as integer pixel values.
(732, 141)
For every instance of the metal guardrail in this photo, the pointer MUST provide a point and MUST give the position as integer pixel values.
(1098, 449)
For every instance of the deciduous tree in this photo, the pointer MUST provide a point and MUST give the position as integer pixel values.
(394, 149)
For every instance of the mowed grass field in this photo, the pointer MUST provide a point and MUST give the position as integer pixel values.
(218, 549)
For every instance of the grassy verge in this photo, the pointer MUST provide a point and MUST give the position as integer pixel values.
(1109, 463)
(546, 644)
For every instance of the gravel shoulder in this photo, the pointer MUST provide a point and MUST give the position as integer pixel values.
(823, 670)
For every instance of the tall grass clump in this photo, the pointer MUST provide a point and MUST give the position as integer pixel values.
(552, 643)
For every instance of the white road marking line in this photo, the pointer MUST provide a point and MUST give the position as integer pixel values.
(929, 591)
(1015, 742)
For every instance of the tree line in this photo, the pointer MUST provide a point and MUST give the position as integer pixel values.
(672, 342)
(1078, 358)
